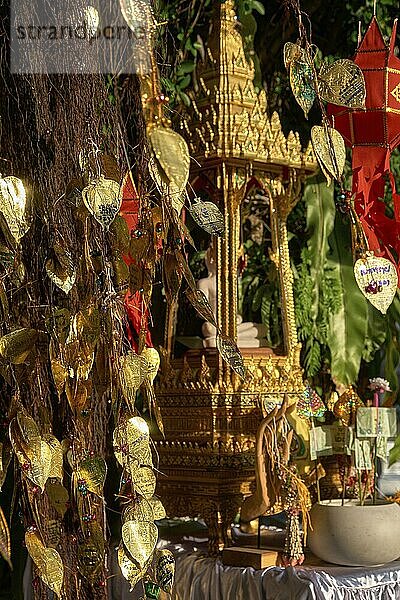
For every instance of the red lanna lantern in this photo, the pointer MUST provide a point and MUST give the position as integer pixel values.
(373, 133)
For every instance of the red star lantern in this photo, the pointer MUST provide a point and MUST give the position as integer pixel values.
(373, 133)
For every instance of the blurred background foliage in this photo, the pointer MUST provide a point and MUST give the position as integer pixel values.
(345, 340)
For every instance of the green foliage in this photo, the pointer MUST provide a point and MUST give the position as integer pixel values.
(259, 299)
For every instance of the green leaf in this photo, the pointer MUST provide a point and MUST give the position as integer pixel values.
(258, 7)
(320, 223)
(348, 327)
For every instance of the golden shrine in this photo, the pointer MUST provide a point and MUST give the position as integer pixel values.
(210, 415)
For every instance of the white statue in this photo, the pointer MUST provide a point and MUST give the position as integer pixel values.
(249, 335)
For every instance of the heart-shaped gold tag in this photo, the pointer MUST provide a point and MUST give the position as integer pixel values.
(153, 362)
(131, 443)
(40, 467)
(144, 481)
(134, 369)
(13, 205)
(129, 569)
(60, 268)
(47, 560)
(172, 155)
(56, 465)
(103, 198)
(231, 354)
(377, 279)
(93, 471)
(165, 570)
(140, 539)
(330, 151)
(58, 497)
(144, 509)
(342, 83)
(208, 216)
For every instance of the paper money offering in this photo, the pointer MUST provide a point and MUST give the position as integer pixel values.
(320, 442)
(381, 447)
(362, 455)
(373, 421)
(342, 438)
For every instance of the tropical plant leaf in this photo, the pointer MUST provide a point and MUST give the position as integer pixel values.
(349, 325)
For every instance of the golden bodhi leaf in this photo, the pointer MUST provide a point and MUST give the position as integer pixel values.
(144, 509)
(40, 466)
(144, 481)
(133, 371)
(91, 553)
(377, 279)
(47, 561)
(5, 459)
(13, 206)
(172, 154)
(94, 471)
(153, 362)
(292, 52)
(132, 443)
(17, 345)
(140, 539)
(103, 198)
(58, 497)
(60, 268)
(5, 545)
(330, 151)
(208, 216)
(129, 569)
(165, 570)
(231, 354)
(56, 463)
(199, 301)
(342, 83)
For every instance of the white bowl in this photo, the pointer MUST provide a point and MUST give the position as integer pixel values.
(354, 535)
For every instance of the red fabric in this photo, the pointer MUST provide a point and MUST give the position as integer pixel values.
(373, 133)
(133, 302)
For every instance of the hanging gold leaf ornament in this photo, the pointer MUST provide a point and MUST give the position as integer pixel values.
(17, 345)
(377, 279)
(56, 463)
(91, 553)
(231, 354)
(301, 75)
(103, 199)
(5, 456)
(199, 301)
(5, 544)
(60, 268)
(13, 206)
(165, 570)
(132, 443)
(208, 216)
(129, 569)
(140, 539)
(171, 154)
(144, 509)
(153, 362)
(342, 83)
(93, 471)
(47, 561)
(133, 371)
(330, 150)
(144, 481)
(58, 497)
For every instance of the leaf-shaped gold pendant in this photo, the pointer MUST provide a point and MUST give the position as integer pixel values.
(13, 206)
(17, 345)
(103, 198)
(140, 539)
(28, 428)
(231, 354)
(293, 52)
(133, 371)
(47, 561)
(5, 456)
(91, 553)
(199, 301)
(129, 569)
(144, 509)
(153, 362)
(208, 216)
(60, 268)
(377, 279)
(5, 545)
(56, 464)
(40, 467)
(144, 481)
(132, 443)
(172, 276)
(172, 154)
(342, 83)
(165, 187)
(93, 470)
(301, 77)
(58, 497)
(165, 570)
(330, 151)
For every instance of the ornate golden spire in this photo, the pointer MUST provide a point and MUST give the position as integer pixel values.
(228, 118)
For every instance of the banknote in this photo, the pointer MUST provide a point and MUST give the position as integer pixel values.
(362, 455)
(330, 439)
(373, 422)
(381, 447)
